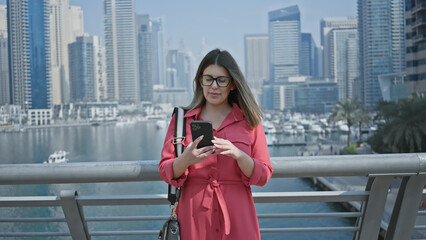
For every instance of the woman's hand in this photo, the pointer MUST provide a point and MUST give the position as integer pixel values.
(244, 161)
(191, 155)
(225, 147)
(194, 155)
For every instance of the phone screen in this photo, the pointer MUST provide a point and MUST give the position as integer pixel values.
(205, 128)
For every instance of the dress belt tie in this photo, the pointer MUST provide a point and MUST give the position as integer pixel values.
(207, 201)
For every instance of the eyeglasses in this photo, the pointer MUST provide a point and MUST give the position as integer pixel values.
(221, 81)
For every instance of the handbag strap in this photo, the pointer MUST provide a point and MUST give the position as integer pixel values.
(180, 131)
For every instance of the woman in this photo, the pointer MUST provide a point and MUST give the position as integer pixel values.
(216, 201)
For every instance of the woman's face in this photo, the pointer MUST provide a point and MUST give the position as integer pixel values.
(215, 94)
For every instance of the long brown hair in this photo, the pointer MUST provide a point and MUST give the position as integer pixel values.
(241, 95)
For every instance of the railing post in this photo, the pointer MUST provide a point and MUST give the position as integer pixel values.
(406, 207)
(74, 215)
(373, 208)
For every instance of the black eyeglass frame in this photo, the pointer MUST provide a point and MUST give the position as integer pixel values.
(214, 79)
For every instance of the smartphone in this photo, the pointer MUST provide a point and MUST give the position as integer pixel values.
(205, 128)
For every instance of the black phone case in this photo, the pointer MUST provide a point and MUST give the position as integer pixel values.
(205, 128)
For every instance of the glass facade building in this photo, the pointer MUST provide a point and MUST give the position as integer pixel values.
(146, 66)
(284, 43)
(82, 69)
(29, 53)
(382, 44)
(121, 54)
(415, 16)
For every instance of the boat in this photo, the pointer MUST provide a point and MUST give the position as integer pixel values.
(269, 127)
(57, 157)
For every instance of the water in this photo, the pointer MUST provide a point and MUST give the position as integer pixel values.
(139, 141)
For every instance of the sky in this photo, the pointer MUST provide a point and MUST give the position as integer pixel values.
(222, 23)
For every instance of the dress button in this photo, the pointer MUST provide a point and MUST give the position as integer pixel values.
(215, 210)
(217, 230)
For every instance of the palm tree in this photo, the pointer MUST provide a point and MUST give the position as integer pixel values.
(405, 126)
(362, 117)
(345, 110)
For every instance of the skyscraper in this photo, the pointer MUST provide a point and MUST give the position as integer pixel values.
(180, 70)
(415, 28)
(256, 61)
(66, 23)
(29, 53)
(308, 61)
(158, 51)
(121, 51)
(346, 61)
(382, 44)
(284, 43)
(146, 66)
(327, 25)
(82, 69)
(4, 62)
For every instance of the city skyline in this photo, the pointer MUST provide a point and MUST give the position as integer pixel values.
(181, 24)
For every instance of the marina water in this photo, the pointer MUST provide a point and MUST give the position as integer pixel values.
(142, 141)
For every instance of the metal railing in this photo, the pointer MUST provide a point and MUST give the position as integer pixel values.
(380, 170)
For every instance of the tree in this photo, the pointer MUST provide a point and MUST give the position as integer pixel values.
(404, 127)
(362, 117)
(345, 110)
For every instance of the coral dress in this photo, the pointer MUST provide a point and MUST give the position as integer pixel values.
(216, 201)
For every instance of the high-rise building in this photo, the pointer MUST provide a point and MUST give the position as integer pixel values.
(382, 44)
(4, 62)
(256, 62)
(66, 24)
(146, 66)
(158, 51)
(100, 69)
(327, 25)
(121, 51)
(82, 70)
(284, 43)
(308, 56)
(346, 61)
(29, 53)
(415, 29)
(180, 69)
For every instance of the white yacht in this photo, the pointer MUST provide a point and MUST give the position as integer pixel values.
(57, 157)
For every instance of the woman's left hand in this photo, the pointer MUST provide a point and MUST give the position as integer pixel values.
(225, 147)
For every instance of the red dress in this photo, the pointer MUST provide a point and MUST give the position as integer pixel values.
(216, 201)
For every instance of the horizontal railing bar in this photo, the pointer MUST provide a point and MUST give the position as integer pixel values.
(35, 234)
(309, 229)
(311, 196)
(128, 171)
(161, 199)
(143, 199)
(311, 215)
(259, 197)
(421, 213)
(126, 218)
(419, 227)
(122, 233)
(30, 201)
(33, 219)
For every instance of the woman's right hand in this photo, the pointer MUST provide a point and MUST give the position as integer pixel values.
(191, 155)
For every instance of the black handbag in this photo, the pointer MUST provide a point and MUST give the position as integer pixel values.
(171, 229)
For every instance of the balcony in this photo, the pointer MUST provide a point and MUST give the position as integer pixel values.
(420, 22)
(370, 203)
(419, 38)
(419, 7)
